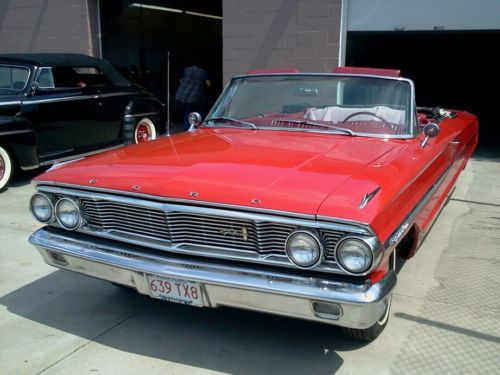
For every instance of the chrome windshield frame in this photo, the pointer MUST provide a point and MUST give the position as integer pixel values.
(413, 114)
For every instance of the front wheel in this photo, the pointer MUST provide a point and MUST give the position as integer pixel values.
(371, 333)
(145, 131)
(6, 168)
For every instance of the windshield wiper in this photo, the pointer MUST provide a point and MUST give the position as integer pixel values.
(232, 120)
(312, 123)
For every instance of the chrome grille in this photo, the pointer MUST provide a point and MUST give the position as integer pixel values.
(238, 234)
(182, 228)
(126, 218)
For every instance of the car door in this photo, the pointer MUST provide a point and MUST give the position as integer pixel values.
(65, 115)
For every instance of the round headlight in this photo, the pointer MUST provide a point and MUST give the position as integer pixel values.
(41, 207)
(354, 255)
(303, 248)
(68, 213)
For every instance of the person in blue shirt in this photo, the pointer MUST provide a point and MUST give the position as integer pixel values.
(191, 92)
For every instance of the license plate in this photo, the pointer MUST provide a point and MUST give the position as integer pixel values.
(175, 290)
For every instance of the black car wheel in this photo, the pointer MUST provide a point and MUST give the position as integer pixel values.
(6, 167)
(371, 333)
(145, 130)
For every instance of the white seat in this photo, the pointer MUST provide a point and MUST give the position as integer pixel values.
(338, 114)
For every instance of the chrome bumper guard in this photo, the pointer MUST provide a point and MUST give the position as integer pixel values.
(324, 300)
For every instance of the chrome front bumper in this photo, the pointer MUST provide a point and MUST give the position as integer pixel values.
(336, 302)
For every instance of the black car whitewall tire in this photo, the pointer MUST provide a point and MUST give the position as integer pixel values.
(6, 167)
(144, 131)
(371, 333)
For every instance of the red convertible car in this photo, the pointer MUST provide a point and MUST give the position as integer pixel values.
(293, 197)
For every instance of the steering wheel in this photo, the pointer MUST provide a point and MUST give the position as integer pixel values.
(386, 123)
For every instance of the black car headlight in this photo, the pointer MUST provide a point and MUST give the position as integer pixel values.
(354, 255)
(42, 208)
(304, 248)
(68, 213)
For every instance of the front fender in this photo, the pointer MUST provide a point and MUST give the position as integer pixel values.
(18, 135)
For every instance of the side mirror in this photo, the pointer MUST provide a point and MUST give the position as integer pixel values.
(194, 119)
(430, 131)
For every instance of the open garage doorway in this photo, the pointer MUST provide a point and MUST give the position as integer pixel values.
(451, 69)
(139, 36)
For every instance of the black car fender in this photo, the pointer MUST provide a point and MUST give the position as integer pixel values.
(139, 108)
(17, 135)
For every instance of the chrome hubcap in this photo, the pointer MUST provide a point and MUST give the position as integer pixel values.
(143, 132)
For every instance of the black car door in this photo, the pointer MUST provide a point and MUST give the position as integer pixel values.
(113, 101)
(65, 115)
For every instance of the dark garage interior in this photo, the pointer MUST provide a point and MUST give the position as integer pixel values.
(137, 36)
(456, 70)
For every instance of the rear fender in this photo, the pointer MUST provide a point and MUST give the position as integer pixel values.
(18, 136)
(139, 108)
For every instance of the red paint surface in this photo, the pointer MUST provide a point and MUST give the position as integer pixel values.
(369, 71)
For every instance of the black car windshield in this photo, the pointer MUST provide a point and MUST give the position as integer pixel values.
(351, 105)
(13, 78)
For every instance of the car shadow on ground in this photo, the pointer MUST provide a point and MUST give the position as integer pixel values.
(226, 340)
(22, 178)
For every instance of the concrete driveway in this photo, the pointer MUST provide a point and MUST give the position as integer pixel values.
(445, 316)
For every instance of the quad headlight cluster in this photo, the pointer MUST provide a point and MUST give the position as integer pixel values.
(305, 249)
(66, 211)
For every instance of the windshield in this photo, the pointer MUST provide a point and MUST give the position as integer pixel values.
(13, 78)
(351, 105)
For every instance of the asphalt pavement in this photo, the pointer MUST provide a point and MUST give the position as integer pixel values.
(445, 316)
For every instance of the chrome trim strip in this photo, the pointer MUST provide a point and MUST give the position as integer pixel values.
(16, 132)
(407, 223)
(238, 286)
(141, 114)
(109, 95)
(80, 156)
(13, 102)
(65, 99)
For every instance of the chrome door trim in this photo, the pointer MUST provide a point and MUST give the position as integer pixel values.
(65, 99)
(141, 114)
(13, 102)
(108, 95)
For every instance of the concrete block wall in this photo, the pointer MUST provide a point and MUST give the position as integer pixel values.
(49, 26)
(260, 34)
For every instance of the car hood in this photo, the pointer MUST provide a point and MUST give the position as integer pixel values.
(277, 170)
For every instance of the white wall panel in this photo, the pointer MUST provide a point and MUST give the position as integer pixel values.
(389, 15)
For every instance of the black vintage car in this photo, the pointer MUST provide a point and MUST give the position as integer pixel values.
(55, 107)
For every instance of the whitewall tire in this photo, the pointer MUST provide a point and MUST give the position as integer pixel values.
(145, 131)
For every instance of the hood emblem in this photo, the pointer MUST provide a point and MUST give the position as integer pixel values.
(136, 187)
(193, 194)
(368, 197)
(256, 201)
(92, 181)
(243, 233)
